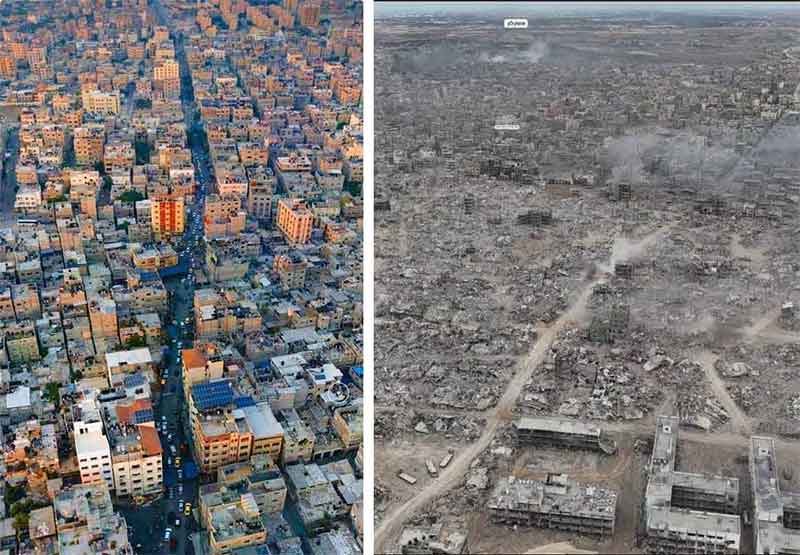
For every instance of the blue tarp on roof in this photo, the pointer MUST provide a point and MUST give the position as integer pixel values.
(212, 394)
(359, 370)
(148, 276)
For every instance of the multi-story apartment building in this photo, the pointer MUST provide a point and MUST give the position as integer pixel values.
(21, 342)
(136, 452)
(88, 142)
(259, 194)
(167, 214)
(119, 155)
(223, 216)
(93, 452)
(295, 220)
(166, 70)
(227, 429)
(98, 102)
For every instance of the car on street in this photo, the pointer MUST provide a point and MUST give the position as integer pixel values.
(167, 534)
(180, 505)
(187, 509)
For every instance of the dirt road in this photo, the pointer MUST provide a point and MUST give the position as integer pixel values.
(739, 421)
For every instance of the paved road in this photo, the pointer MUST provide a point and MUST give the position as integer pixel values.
(150, 523)
(8, 184)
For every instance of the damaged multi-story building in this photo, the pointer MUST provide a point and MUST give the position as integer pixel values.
(557, 503)
(686, 512)
(776, 514)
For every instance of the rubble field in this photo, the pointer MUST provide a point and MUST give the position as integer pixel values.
(617, 243)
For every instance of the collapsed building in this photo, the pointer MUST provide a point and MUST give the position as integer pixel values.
(776, 515)
(436, 539)
(561, 432)
(556, 503)
(686, 512)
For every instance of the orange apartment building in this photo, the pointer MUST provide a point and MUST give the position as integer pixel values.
(8, 67)
(166, 70)
(295, 220)
(167, 214)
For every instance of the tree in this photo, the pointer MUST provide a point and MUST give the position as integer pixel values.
(100, 167)
(353, 187)
(21, 522)
(131, 196)
(13, 494)
(52, 394)
(135, 342)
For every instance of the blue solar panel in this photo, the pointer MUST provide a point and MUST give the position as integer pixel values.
(142, 416)
(359, 370)
(212, 394)
(134, 380)
(242, 402)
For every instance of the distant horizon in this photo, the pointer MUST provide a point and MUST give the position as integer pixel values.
(384, 8)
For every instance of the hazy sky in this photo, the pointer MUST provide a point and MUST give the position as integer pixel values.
(384, 9)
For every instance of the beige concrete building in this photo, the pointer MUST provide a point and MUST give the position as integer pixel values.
(295, 220)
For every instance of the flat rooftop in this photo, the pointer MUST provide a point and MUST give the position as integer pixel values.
(560, 496)
(557, 425)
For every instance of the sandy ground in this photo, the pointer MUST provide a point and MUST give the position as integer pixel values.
(565, 548)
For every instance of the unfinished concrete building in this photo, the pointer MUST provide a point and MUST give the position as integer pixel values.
(776, 515)
(556, 503)
(561, 432)
(686, 512)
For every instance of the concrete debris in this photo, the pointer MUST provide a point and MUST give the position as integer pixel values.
(478, 478)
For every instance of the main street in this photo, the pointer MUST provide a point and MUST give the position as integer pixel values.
(149, 523)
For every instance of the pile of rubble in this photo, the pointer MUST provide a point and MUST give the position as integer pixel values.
(697, 406)
(391, 424)
(762, 380)
(597, 383)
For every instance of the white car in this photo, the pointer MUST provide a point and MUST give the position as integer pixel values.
(167, 534)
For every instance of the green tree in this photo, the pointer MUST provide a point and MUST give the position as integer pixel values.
(13, 494)
(135, 342)
(100, 167)
(131, 196)
(52, 394)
